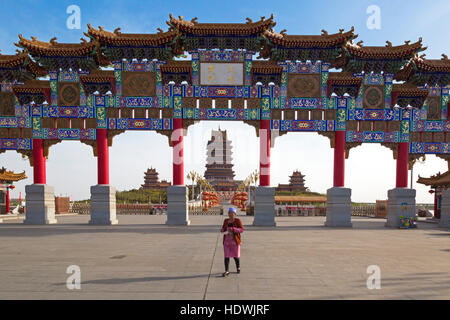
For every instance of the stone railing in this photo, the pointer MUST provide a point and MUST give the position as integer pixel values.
(300, 211)
(366, 210)
(80, 208)
(217, 210)
(122, 208)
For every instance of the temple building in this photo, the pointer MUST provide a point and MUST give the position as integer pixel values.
(151, 180)
(296, 183)
(6, 180)
(219, 167)
(439, 182)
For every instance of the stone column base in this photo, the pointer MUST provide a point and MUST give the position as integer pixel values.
(40, 204)
(401, 202)
(177, 208)
(444, 222)
(264, 207)
(103, 205)
(339, 209)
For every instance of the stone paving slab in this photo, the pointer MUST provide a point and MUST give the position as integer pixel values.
(142, 258)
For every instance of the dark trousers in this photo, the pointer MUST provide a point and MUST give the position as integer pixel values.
(227, 263)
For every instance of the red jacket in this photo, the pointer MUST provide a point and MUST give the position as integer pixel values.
(236, 224)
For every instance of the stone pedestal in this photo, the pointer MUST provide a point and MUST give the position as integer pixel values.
(103, 205)
(177, 208)
(264, 207)
(40, 204)
(401, 202)
(444, 222)
(339, 210)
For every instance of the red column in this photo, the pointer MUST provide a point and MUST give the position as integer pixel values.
(436, 215)
(102, 156)
(7, 200)
(339, 159)
(177, 142)
(264, 153)
(38, 162)
(402, 165)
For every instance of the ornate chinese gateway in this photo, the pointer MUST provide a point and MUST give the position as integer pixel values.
(329, 83)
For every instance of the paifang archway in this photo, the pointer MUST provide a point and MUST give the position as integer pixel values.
(291, 89)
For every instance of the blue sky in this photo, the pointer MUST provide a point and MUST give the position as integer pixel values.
(370, 170)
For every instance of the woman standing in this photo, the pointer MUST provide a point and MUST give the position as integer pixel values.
(232, 227)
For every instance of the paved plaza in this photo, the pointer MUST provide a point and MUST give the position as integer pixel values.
(142, 258)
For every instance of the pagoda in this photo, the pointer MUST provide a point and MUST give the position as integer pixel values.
(151, 180)
(6, 180)
(296, 183)
(219, 168)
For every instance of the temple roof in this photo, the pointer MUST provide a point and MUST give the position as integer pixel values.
(177, 66)
(408, 94)
(249, 28)
(409, 90)
(405, 51)
(19, 67)
(33, 90)
(324, 40)
(53, 48)
(431, 71)
(117, 45)
(343, 82)
(72, 55)
(438, 180)
(11, 176)
(266, 67)
(297, 173)
(131, 39)
(98, 76)
(99, 80)
(388, 58)
(325, 47)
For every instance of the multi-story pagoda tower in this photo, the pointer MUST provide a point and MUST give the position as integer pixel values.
(219, 168)
(151, 180)
(296, 183)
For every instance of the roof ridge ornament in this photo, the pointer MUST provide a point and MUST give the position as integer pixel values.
(444, 56)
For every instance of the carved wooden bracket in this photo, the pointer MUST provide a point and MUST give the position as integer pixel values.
(393, 147)
(48, 144)
(349, 145)
(255, 124)
(414, 157)
(27, 154)
(329, 135)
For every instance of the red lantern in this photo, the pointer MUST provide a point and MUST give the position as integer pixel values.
(11, 187)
